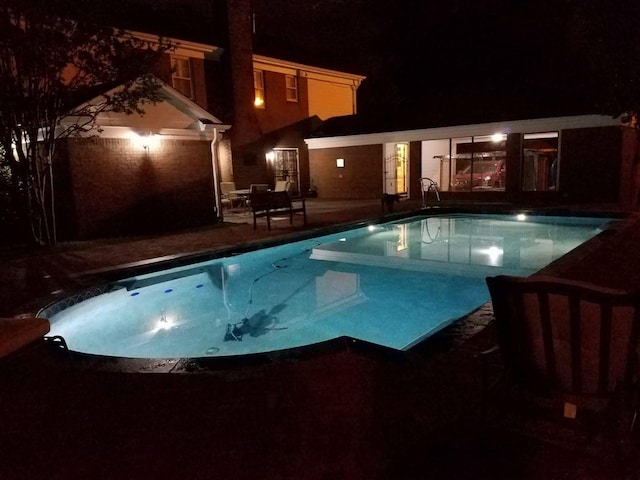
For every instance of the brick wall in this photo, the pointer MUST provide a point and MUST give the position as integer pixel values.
(199, 84)
(118, 188)
(361, 177)
(590, 164)
(278, 112)
(414, 189)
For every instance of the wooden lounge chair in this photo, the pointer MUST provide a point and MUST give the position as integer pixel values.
(17, 333)
(571, 344)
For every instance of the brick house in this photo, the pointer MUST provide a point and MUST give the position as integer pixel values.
(228, 115)
(291, 100)
(140, 174)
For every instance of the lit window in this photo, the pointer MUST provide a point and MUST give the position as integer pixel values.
(292, 88)
(258, 85)
(181, 76)
(478, 163)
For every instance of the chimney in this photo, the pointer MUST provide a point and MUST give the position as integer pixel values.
(245, 127)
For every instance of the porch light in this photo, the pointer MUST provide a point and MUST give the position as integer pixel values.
(258, 102)
(270, 156)
(521, 217)
(145, 141)
(340, 162)
(498, 137)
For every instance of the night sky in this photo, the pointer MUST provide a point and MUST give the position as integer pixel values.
(510, 56)
(511, 52)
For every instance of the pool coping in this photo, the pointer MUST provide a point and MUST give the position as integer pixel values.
(151, 265)
(447, 337)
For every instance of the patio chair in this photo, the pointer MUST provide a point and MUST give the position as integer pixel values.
(273, 204)
(569, 351)
(427, 185)
(258, 188)
(229, 199)
(282, 186)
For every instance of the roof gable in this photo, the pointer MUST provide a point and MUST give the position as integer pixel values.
(175, 112)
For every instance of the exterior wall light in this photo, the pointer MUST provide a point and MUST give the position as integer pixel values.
(498, 137)
(145, 140)
(340, 162)
(270, 156)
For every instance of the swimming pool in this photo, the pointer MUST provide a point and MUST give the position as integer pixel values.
(391, 284)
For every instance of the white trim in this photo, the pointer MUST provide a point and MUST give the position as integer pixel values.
(269, 64)
(516, 126)
(207, 133)
(182, 47)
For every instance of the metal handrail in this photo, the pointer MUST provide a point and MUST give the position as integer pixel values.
(427, 185)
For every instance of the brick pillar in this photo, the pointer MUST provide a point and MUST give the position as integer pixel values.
(514, 163)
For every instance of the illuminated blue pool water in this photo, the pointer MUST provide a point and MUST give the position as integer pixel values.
(391, 284)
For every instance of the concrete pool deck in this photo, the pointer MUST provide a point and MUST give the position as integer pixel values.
(343, 412)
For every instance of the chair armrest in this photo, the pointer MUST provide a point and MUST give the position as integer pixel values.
(15, 333)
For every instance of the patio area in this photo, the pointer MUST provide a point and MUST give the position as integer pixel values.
(345, 410)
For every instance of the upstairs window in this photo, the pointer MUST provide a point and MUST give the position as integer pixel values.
(181, 76)
(291, 83)
(258, 86)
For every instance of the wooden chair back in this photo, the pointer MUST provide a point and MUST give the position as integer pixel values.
(281, 186)
(572, 337)
(258, 188)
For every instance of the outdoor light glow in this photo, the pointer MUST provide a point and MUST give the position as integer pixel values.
(493, 253)
(164, 323)
(343, 239)
(258, 102)
(270, 156)
(521, 217)
(497, 137)
(145, 141)
(371, 228)
(340, 162)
